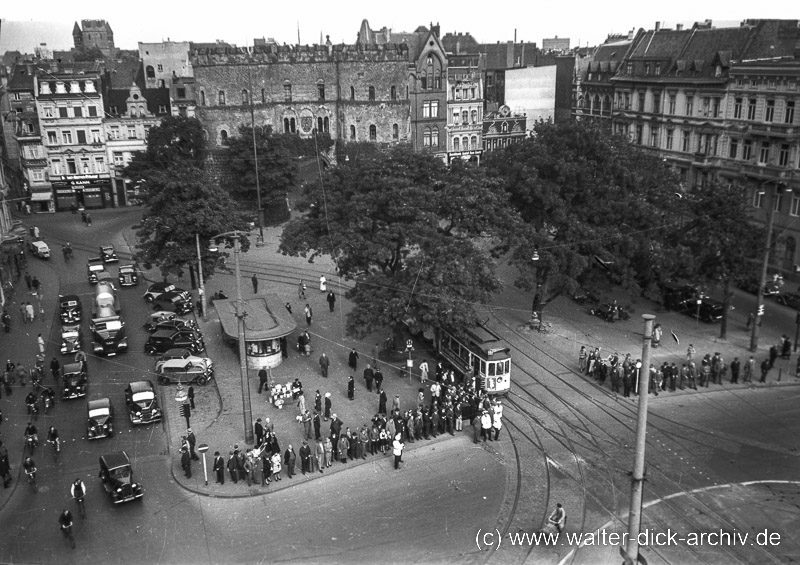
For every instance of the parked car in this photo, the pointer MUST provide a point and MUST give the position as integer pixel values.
(70, 308)
(71, 339)
(750, 282)
(116, 475)
(39, 248)
(128, 275)
(100, 413)
(164, 340)
(75, 380)
(174, 324)
(177, 353)
(158, 317)
(142, 403)
(107, 254)
(684, 299)
(178, 301)
(94, 266)
(790, 299)
(185, 371)
(157, 289)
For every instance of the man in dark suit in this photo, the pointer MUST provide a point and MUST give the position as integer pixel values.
(219, 467)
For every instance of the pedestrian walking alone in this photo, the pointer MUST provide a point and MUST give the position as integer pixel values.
(301, 289)
(323, 284)
(324, 363)
(40, 343)
(307, 311)
(558, 518)
(352, 359)
(331, 300)
(254, 280)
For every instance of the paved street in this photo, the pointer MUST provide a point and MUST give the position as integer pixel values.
(571, 441)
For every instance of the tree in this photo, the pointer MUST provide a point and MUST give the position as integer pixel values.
(180, 200)
(717, 238)
(592, 202)
(277, 154)
(415, 235)
(88, 54)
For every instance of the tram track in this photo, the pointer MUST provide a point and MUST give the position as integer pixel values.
(617, 415)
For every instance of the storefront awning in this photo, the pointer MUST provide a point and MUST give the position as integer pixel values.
(41, 196)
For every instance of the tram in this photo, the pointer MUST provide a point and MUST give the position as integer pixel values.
(481, 353)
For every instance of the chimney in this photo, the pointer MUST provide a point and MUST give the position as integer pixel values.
(658, 26)
(679, 27)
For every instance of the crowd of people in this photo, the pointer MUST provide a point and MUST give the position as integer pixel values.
(622, 372)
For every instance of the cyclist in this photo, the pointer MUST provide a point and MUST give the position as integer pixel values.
(48, 398)
(31, 431)
(30, 401)
(30, 468)
(78, 492)
(65, 521)
(52, 437)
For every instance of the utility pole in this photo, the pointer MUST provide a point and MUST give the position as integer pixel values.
(255, 160)
(759, 313)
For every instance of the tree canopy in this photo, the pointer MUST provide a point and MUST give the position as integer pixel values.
(415, 236)
(592, 203)
(180, 200)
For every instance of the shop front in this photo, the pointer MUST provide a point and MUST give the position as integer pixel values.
(82, 191)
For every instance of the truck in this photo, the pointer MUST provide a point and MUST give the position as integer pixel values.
(108, 329)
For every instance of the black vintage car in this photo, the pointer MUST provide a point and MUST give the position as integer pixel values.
(108, 336)
(71, 339)
(107, 254)
(178, 301)
(128, 275)
(164, 340)
(174, 324)
(689, 300)
(100, 415)
(75, 380)
(157, 289)
(142, 403)
(116, 474)
(70, 308)
(94, 266)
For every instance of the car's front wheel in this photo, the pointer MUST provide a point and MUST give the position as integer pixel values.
(202, 381)
(163, 380)
(149, 298)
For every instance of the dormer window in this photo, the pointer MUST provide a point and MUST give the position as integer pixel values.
(74, 86)
(61, 88)
(658, 69)
(88, 86)
(44, 88)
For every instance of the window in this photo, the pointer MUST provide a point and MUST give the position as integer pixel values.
(430, 109)
(715, 102)
(52, 139)
(55, 167)
(783, 155)
(78, 111)
(81, 137)
(180, 92)
(439, 81)
(62, 112)
(131, 132)
(85, 166)
(393, 93)
(263, 96)
(119, 159)
(426, 137)
(641, 101)
(627, 100)
(160, 68)
(687, 141)
(474, 116)
(788, 112)
(747, 150)
(371, 94)
(777, 202)
(654, 131)
(647, 69)
(66, 136)
(99, 165)
(435, 137)
(464, 118)
(456, 144)
(794, 210)
(373, 133)
(733, 148)
(656, 102)
(758, 199)
(737, 109)
(37, 175)
(751, 109)
(670, 137)
(395, 132)
(706, 101)
(352, 93)
(658, 69)
(769, 111)
(763, 152)
(72, 169)
(639, 133)
(202, 98)
(223, 136)
(321, 90)
(629, 69)
(423, 81)
(151, 72)
(689, 105)
(352, 133)
(92, 111)
(289, 125)
(244, 97)
(473, 142)
(221, 98)
(48, 111)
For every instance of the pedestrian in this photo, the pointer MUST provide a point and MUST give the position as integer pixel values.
(765, 367)
(186, 463)
(690, 351)
(36, 285)
(301, 402)
(323, 284)
(558, 518)
(750, 368)
(28, 281)
(327, 406)
(266, 467)
(582, 359)
(306, 420)
(308, 313)
(240, 458)
(190, 395)
(324, 363)
(352, 359)
(289, 308)
(305, 458)
(55, 368)
(319, 454)
(275, 461)
(786, 349)
(351, 388)
(328, 447)
(263, 380)
(258, 430)
(396, 404)
(343, 446)
(397, 450)
(192, 440)
(254, 280)
(219, 468)
(657, 332)
(486, 426)
(381, 401)
(30, 314)
(301, 290)
(232, 467)
(378, 378)
(331, 300)
(5, 466)
(317, 401)
(735, 366)
(773, 354)
(40, 343)
(750, 318)
(369, 376)
(423, 371)
(289, 459)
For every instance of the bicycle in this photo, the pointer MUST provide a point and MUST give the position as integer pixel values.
(68, 534)
(32, 481)
(81, 505)
(56, 448)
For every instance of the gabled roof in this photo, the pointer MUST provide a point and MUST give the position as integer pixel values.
(461, 43)
(21, 78)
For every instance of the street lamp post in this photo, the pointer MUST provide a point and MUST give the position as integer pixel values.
(255, 160)
(631, 552)
(202, 287)
(240, 314)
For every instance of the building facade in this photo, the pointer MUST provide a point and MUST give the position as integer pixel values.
(502, 128)
(465, 106)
